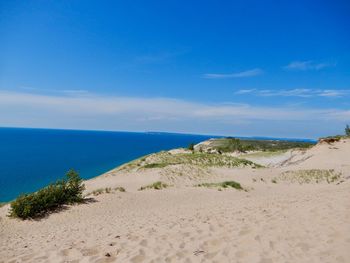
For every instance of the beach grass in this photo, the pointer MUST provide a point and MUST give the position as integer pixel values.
(107, 190)
(309, 176)
(204, 160)
(120, 189)
(157, 186)
(263, 154)
(225, 184)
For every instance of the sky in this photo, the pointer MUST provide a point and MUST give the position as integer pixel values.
(238, 68)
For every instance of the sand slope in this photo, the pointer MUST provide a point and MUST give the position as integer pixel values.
(272, 222)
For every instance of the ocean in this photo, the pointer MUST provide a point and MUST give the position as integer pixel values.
(33, 158)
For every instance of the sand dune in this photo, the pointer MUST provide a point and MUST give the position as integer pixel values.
(274, 220)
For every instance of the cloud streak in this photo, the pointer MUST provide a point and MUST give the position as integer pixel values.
(242, 74)
(94, 105)
(302, 93)
(93, 111)
(307, 65)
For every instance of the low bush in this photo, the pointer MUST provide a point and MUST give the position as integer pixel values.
(62, 192)
(155, 165)
(347, 130)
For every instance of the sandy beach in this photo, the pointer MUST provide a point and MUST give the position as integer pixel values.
(280, 216)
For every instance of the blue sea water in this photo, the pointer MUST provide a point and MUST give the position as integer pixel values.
(33, 158)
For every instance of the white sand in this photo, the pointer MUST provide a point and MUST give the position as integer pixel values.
(281, 222)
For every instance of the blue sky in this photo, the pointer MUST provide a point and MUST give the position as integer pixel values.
(213, 67)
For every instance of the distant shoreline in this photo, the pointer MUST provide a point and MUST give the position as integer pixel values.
(263, 138)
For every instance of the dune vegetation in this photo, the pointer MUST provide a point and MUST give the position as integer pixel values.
(309, 176)
(204, 160)
(231, 144)
(225, 184)
(157, 186)
(66, 191)
(107, 190)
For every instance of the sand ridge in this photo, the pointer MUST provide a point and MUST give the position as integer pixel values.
(271, 222)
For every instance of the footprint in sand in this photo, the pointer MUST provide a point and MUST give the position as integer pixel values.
(89, 251)
(139, 258)
(244, 232)
(143, 243)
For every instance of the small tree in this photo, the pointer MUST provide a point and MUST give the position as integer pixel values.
(191, 146)
(347, 130)
(75, 186)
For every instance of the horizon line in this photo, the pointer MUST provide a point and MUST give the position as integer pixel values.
(167, 132)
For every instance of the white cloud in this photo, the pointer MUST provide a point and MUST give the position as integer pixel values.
(244, 91)
(303, 93)
(307, 65)
(91, 111)
(94, 105)
(333, 93)
(242, 74)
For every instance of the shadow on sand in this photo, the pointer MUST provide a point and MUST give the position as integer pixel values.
(61, 209)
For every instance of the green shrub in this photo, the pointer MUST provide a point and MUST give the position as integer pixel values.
(75, 187)
(191, 146)
(347, 130)
(49, 198)
(155, 165)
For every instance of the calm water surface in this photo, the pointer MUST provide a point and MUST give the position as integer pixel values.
(33, 158)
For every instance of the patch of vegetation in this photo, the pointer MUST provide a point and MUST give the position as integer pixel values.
(226, 184)
(274, 181)
(107, 190)
(157, 186)
(263, 154)
(120, 189)
(199, 159)
(331, 139)
(66, 191)
(98, 191)
(2, 204)
(191, 146)
(140, 162)
(231, 144)
(203, 160)
(347, 130)
(310, 176)
(155, 165)
(336, 138)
